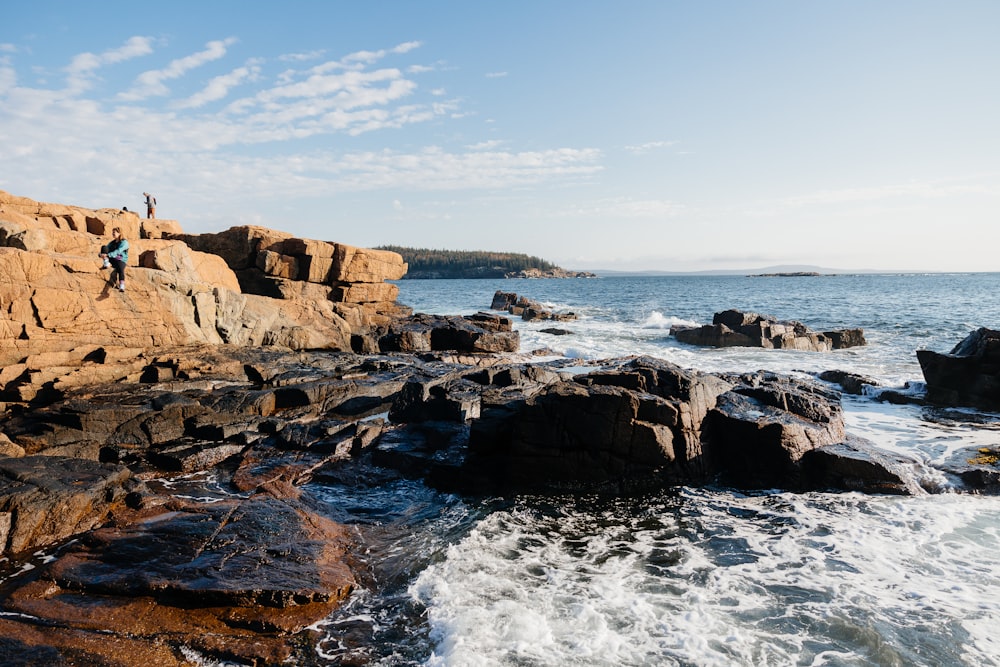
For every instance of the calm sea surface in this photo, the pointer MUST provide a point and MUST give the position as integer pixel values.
(697, 576)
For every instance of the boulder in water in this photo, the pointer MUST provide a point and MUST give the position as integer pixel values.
(967, 376)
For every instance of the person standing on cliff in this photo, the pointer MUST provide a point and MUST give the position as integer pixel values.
(117, 255)
(150, 205)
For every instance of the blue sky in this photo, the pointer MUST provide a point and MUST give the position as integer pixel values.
(632, 135)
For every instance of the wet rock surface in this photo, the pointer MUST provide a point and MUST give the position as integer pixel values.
(969, 375)
(527, 309)
(734, 328)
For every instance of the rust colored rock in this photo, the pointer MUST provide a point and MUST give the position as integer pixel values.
(240, 580)
(45, 499)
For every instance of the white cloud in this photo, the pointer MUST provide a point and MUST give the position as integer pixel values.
(406, 47)
(485, 145)
(207, 153)
(82, 67)
(639, 149)
(7, 48)
(369, 57)
(495, 75)
(298, 57)
(150, 83)
(220, 86)
(8, 76)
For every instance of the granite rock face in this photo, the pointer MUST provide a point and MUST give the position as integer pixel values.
(245, 286)
(734, 328)
(967, 376)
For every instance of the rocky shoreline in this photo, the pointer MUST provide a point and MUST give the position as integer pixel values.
(159, 446)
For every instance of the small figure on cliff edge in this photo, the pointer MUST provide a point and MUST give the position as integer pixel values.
(115, 256)
(150, 205)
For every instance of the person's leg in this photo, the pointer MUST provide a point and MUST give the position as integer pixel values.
(118, 274)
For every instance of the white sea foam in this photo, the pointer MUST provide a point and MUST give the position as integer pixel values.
(658, 320)
(723, 579)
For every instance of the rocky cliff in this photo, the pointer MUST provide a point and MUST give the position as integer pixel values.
(243, 286)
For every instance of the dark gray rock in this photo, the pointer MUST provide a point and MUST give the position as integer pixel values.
(969, 375)
(978, 468)
(428, 333)
(759, 433)
(851, 383)
(856, 465)
(734, 328)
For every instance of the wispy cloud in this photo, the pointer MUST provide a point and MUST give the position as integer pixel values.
(219, 87)
(81, 70)
(205, 142)
(8, 75)
(485, 145)
(151, 83)
(495, 75)
(639, 149)
(299, 57)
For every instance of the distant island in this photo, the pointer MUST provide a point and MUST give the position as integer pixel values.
(425, 263)
(786, 274)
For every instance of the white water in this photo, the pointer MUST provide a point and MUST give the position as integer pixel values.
(716, 578)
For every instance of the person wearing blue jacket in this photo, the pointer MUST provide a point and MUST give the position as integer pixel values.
(116, 253)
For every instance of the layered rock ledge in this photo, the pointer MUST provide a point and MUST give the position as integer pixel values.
(244, 286)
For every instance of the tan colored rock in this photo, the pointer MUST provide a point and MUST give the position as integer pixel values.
(58, 305)
(158, 229)
(316, 269)
(365, 292)
(278, 265)
(15, 216)
(363, 265)
(238, 245)
(57, 241)
(309, 247)
(177, 258)
(8, 448)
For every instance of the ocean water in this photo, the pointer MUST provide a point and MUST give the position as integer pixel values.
(697, 576)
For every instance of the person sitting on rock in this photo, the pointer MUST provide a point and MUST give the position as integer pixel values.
(116, 254)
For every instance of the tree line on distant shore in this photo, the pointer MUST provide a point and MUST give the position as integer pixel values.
(428, 263)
